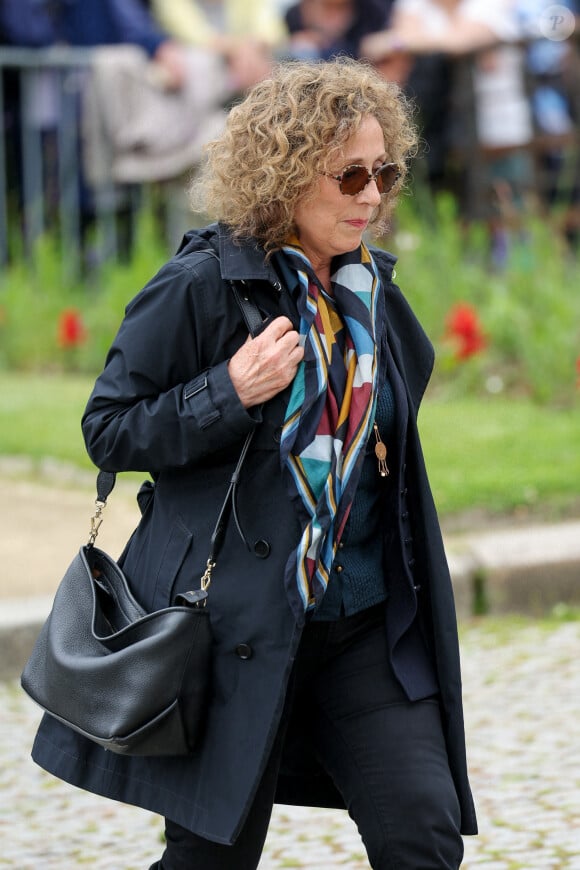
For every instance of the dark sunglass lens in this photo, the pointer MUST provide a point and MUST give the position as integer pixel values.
(354, 178)
(387, 177)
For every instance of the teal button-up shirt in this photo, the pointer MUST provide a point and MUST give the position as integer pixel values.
(356, 580)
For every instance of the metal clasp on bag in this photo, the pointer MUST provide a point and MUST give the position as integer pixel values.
(198, 598)
(206, 576)
(96, 521)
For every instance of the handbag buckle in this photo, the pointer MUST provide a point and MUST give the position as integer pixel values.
(197, 597)
(193, 598)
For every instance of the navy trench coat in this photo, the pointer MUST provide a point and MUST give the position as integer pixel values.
(165, 404)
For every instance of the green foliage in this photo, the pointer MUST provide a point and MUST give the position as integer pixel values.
(30, 301)
(529, 311)
(34, 295)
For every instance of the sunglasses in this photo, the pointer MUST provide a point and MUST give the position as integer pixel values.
(355, 178)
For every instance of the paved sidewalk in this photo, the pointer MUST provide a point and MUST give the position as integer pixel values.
(522, 703)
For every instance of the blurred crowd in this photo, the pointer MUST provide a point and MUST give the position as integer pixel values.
(495, 83)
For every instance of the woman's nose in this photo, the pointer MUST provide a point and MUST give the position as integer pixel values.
(370, 193)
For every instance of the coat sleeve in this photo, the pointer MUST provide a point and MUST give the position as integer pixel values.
(165, 398)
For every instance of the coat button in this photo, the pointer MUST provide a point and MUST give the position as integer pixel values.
(244, 651)
(262, 549)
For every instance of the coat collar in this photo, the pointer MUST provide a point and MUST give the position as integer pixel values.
(243, 260)
(240, 260)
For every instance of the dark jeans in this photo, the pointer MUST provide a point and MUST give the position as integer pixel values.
(385, 754)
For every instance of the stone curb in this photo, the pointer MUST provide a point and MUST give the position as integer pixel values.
(525, 570)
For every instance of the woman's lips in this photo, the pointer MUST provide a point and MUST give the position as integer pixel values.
(357, 224)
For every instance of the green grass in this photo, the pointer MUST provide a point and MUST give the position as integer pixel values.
(502, 455)
(496, 455)
(40, 416)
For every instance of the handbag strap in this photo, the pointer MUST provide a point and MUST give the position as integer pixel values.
(250, 311)
(253, 320)
(106, 479)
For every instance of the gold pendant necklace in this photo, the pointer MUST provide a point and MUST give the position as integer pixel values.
(380, 452)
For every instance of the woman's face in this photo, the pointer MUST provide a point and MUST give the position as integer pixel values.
(330, 223)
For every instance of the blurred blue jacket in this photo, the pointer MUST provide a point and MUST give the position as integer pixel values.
(38, 23)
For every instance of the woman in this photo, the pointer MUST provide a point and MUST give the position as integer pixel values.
(336, 667)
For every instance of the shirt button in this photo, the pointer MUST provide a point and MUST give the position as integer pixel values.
(244, 651)
(262, 549)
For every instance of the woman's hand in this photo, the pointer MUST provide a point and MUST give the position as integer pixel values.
(265, 365)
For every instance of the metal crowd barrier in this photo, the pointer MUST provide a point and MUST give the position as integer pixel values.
(41, 178)
(553, 154)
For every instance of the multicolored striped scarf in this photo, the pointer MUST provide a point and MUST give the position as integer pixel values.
(330, 412)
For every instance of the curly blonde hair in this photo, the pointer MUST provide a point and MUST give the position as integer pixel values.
(288, 129)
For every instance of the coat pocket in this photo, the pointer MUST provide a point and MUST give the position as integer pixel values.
(178, 545)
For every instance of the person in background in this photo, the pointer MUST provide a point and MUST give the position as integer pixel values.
(320, 29)
(553, 67)
(245, 34)
(88, 23)
(79, 24)
(336, 673)
(19, 26)
(502, 129)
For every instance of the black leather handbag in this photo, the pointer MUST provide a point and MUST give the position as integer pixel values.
(136, 683)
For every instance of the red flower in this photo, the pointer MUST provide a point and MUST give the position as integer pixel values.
(71, 330)
(463, 327)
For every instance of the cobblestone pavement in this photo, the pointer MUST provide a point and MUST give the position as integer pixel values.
(522, 699)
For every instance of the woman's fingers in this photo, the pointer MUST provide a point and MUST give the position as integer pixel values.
(265, 365)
